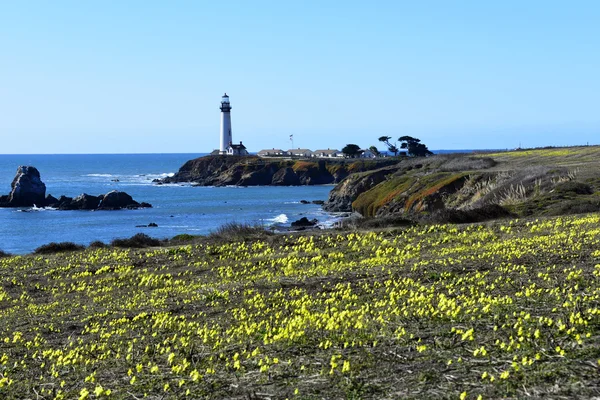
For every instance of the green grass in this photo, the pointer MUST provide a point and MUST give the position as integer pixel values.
(504, 310)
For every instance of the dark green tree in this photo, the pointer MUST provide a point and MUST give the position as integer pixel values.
(414, 146)
(351, 150)
(391, 147)
(375, 151)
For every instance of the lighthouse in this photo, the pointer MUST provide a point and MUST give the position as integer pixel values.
(226, 138)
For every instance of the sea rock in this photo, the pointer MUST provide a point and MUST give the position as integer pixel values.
(116, 200)
(82, 202)
(150, 225)
(304, 202)
(318, 202)
(304, 222)
(50, 201)
(27, 188)
(63, 202)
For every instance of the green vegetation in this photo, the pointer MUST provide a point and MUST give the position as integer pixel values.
(351, 150)
(414, 146)
(506, 310)
(54, 247)
(369, 202)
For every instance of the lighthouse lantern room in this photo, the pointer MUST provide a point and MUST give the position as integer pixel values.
(226, 138)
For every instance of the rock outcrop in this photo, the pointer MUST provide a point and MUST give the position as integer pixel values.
(116, 200)
(255, 171)
(341, 197)
(304, 223)
(29, 190)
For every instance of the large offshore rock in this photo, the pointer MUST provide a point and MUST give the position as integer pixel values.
(27, 188)
(116, 200)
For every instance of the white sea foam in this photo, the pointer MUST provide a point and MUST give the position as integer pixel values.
(37, 209)
(136, 179)
(280, 219)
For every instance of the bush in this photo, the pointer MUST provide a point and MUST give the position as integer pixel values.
(4, 254)
(480, 214)
(54, 247)
(183, 238)
(139, 240)
(236, 230)
(574, 187)
(374, 223)
(97, 244)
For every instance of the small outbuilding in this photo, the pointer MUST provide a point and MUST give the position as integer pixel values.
(327, 153)
(237, 150)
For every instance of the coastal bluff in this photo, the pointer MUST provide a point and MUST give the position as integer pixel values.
(222, 170)
(459, 188)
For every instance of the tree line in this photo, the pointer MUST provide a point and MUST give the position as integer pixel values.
(413, 146)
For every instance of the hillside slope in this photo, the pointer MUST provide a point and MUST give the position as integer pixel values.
(552, 181)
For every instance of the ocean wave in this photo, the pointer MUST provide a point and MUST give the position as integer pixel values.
(145, 179)
(280, 219)
(36, 209)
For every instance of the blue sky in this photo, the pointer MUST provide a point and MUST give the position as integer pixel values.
(147, 76)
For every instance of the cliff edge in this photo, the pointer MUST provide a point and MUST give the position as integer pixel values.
(256, 171)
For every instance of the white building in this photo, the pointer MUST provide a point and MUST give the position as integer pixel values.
(237, 150)
(226, 137)
(300, 152)
(327, 153)
(271, 153)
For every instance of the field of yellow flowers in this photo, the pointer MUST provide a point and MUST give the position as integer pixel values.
(503, 310)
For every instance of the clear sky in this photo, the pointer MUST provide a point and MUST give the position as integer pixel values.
(147, 76)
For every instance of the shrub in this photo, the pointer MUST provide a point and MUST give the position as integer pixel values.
(574, 187)
(4, 254)
(184, 237)
(54, 247)
(139, 240)
(374, 223)
(236, 230)
(97, 244)
(480, 214)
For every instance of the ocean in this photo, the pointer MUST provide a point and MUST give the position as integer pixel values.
(177, 208)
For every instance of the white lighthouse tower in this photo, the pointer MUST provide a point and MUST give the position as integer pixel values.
(226, 138)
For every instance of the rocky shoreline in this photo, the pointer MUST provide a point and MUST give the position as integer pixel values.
(28, 190)
(256, 171)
